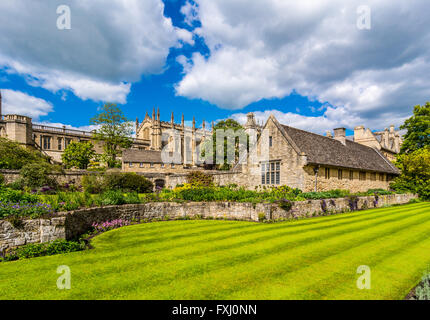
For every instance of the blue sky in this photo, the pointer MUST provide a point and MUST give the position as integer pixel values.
(216, 59)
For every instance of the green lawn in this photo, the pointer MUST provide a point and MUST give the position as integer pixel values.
(307, 259)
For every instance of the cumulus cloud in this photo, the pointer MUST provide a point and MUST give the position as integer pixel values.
(331, 119)
(261, 50)
(17, 102)
(110, 45)
(67, 126)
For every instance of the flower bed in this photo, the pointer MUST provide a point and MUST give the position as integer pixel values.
(24, 209)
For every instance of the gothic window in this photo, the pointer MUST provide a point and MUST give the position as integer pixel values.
(327, 173)
(381, 177)
(373, 176)
(362, 176)
(270, 141)
(339, 174)
(60, 146)
(351, 175)
(146, 134)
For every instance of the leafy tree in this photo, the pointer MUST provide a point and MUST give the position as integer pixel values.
(114, 131)
(14, 156)
(415, 176)
(418, 129)
(78, 155)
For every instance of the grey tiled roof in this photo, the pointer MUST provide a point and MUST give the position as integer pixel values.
(144, 156)
(328, 151)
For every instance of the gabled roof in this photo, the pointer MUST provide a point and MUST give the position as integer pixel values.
(331, 152)
(144, 156)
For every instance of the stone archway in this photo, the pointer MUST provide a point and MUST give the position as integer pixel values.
(159, 183)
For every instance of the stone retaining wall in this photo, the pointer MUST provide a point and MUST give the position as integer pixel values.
(70, 225)
(69, 176)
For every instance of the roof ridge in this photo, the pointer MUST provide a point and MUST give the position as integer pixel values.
(386, 160)
(316, 134)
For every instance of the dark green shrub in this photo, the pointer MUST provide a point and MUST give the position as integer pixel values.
(38, 175)
(2, 179)
(127, 182)
(93, 183)
(46, 249)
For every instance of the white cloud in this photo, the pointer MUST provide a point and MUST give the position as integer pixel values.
(331, 119)
(67, 126)
(190, 11)
(16, 102)
(111, 44)
(268, 49)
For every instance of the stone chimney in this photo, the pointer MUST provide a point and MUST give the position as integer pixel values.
(340, 135)
(359, 132)
(386, 138)
(328, 134)
(392, 128)
(397, 143)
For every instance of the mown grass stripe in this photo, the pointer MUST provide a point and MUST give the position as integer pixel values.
(209, 266)
(295, 265)
(384, 247)
(185, 241)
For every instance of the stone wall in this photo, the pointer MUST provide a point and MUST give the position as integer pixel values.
(70, 225)
(354, 185)
(70, 176)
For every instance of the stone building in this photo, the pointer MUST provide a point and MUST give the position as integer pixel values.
(52, 141)
(282, 155)
(309, 161)
(388, 141)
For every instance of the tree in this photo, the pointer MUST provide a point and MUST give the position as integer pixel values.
(114, 131)
(14, 156)
(415, 173)
(78, 155)
(418, 129)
